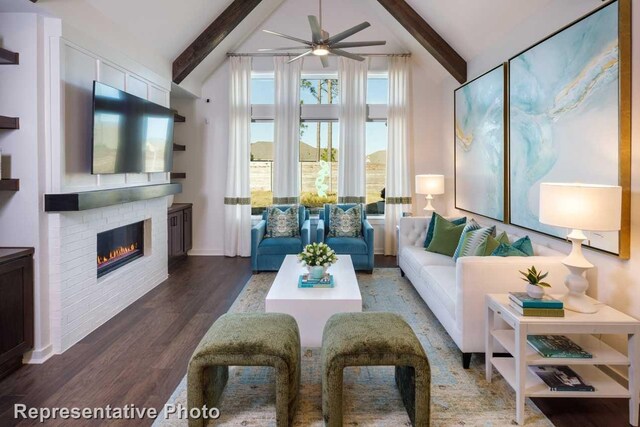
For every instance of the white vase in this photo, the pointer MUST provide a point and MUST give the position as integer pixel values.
(316, 271)
(535, 291)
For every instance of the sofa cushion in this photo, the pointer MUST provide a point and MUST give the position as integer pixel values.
(283, 222)
(347, 245)
(470, 226)
(445, 237)
(432, 225)
(487, 247)
(506, 250)
(280, 245)
(417, 258)
(441, 281)
(524, 245)
(345, 222)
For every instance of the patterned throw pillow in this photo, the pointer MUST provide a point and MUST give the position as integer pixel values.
(506, 250)
(470, 226)
(432, 226)
(524, 245)
(345, 223)
(283, 223)
(472, 240)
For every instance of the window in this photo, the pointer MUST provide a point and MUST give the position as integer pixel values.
(319, 141)
(261, 167)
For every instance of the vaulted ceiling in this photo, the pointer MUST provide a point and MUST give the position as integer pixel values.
(169, 26)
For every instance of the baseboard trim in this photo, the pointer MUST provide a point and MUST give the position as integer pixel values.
(206, 252)
(37, 357)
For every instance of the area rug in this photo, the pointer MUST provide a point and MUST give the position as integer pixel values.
(459, 397)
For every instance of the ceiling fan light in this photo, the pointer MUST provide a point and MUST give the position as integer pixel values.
(321, 51)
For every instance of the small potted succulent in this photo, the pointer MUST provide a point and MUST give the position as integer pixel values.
(317, 257)
(535, 285)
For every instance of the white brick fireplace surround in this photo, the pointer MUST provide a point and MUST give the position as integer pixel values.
(80, 302)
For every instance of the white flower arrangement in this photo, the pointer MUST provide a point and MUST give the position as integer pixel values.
(317, 255)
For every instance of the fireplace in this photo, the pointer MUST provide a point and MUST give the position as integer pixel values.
(119, 246)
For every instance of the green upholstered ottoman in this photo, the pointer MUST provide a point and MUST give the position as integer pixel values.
(374, 339)
(246, 339)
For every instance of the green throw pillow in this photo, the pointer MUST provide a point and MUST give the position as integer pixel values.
(469, 226)
(345, 223)
(471, 240)
(432, 225)
(446, 236)
(283, 223)
(487, 247)
(505, 250)
(524, 245)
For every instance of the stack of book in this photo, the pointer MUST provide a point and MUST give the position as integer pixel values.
(546, 306)
(557, 347)
(304, 281)
(561, 378)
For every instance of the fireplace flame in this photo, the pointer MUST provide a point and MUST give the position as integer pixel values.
(117, 253)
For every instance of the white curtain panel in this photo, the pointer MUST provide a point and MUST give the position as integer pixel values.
(237, 201)
(286, 150)
(398, 185)
(352, 160)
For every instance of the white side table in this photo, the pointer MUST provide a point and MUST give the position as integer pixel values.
(580, 328)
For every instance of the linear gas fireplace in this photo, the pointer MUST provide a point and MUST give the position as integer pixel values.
(119, 246)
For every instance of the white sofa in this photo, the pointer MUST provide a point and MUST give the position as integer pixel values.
(455, 291)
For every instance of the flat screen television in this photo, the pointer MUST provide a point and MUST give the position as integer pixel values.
(130, 134)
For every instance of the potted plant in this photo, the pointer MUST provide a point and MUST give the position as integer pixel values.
(535, 285)
(317, 257)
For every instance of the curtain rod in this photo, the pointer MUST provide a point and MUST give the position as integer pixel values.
(267, 54)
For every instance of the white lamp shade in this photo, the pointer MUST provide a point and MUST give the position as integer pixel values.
(430, 184)
(581, 206)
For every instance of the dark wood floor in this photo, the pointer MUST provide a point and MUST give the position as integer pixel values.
(140, 356)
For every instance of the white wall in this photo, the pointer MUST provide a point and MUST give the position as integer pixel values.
(614, 282)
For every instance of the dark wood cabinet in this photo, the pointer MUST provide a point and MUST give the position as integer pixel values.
(16, 307)
(180, 229)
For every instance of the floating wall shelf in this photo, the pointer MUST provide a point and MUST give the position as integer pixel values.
(67, 202)
(178, 147)
(9, 185)
(178, 175)
(178, 118)
(9, 58)
(9, 122)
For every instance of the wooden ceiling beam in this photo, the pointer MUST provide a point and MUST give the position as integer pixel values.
(427, 37)
(211, 37)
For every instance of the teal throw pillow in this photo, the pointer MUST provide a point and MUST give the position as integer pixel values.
(472, 240)
(524, 245)
(283, 223)
(469, 226)
(446, 236)
(506, 250)
(432, 224)
(345, 223)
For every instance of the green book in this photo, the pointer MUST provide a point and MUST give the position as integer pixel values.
(524, 300)
(557, 346)
(537, 312)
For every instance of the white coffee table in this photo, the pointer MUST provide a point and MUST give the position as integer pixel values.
(313, 307)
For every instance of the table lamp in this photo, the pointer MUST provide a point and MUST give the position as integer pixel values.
(580, 207)
(429, 185)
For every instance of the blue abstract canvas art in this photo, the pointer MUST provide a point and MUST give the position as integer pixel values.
(479, 145)
(564, 117)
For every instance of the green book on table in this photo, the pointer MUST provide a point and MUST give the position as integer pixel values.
(557, 346)
(524, 300)
(537, 312)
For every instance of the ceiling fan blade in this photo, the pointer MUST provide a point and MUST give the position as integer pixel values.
(299, 56)
(351, 31)
(295, 39)
(346, 54)
(316, 31)
(325, 61)
(357, 44)
(282, 48)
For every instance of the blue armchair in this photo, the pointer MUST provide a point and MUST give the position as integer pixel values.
(267, 254)
(360, 248)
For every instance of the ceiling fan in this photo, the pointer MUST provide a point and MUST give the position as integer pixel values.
(322, 44)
